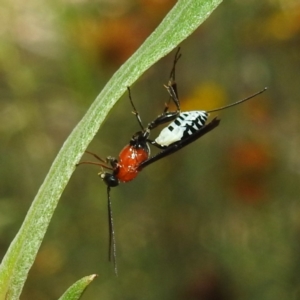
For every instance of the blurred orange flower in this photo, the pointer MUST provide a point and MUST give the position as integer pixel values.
(249, 164)
(114, 39)
(206, 96)
(283, 25)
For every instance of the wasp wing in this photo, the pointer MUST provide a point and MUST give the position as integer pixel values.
(180, 144)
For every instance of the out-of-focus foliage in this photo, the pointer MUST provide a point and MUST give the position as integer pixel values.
(78, 288)
(217, 220)
(179, 23)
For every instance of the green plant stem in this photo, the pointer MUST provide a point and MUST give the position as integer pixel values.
(181, 21)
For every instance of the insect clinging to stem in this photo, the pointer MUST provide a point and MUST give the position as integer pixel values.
(185, 128)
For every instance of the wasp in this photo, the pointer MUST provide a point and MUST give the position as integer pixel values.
(183, 129)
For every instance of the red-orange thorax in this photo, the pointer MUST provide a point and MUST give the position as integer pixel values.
(129, 160)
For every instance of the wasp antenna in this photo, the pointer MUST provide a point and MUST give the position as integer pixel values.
(112, 242)
(238, 102)
(94, 163)
(135, 112)
(96, 156)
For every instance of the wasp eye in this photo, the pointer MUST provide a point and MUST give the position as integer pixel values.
(109, 179)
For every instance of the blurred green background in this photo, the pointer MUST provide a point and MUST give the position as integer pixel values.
(217, 220)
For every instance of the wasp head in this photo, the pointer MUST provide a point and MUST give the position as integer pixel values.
(109, 179)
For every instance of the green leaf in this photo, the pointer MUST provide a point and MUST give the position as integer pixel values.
(75, 291)
(181, 21)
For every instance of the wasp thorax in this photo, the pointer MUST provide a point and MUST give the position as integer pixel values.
(109, 179)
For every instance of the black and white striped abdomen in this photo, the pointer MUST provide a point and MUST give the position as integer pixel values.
(183, 126)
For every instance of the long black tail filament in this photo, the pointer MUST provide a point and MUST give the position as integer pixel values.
(238, 102)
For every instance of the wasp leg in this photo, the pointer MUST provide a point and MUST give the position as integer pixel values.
(172, 83)
(135, 112)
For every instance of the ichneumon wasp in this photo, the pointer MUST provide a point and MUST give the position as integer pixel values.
(185, 128)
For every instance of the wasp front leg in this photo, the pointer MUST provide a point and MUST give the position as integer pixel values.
(112, 161)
